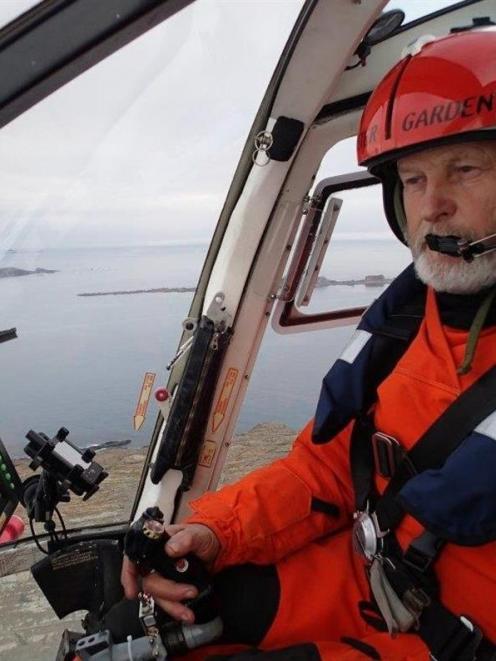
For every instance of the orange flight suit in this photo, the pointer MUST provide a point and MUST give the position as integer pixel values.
(267, 517)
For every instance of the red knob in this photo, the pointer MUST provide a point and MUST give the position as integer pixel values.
(162, 395)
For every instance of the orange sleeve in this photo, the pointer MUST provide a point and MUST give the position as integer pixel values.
(278, 509)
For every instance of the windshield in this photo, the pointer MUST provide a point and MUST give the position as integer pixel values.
(110, 191)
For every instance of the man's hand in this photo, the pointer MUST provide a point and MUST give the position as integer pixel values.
(184, 538)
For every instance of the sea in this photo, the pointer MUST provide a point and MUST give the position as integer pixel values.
(79, 362)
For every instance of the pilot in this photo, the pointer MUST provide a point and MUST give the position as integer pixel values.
(375, 537)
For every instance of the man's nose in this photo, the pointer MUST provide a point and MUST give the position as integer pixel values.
(438, 203)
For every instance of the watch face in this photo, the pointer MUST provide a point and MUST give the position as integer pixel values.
(385, 25)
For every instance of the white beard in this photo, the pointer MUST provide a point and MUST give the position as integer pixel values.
(450, 274)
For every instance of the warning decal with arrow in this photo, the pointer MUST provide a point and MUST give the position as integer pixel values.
(143, 400)
(207, 453)
(225, 396)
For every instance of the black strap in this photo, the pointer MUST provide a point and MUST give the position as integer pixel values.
(442, 438)
(362, 462)
(389, 344)
(448, 637)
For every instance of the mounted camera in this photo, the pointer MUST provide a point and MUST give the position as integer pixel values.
(86, 575)
(65, 468)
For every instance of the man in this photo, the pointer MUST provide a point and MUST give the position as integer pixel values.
(356, 546)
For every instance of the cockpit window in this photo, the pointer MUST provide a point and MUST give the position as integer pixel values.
(362, 255)
(110, 191)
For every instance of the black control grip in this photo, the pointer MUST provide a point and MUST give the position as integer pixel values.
(144, 545)
(188, 569)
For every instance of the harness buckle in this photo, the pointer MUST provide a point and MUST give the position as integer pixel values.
(387, 453)
(415, 599)
(422, 551)
(367, 535)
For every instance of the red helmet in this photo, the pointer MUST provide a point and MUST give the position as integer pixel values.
(443, 91)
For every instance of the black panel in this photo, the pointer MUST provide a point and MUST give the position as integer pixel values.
(183, 435)
(286, 134)
(85, 576)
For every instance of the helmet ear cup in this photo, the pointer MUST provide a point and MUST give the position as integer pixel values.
(399, 209)
(392, 196)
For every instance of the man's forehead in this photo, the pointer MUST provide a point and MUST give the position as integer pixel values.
(447, 153)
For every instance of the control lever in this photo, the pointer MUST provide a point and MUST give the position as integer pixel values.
(144, 545)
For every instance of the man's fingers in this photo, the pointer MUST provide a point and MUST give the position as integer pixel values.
(174, 528)
(181, 543)
(176, 610)
(129, 578)
(193, 538)
(162, 588)
(169, 595)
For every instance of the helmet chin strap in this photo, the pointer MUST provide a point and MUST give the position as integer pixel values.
(458, 247)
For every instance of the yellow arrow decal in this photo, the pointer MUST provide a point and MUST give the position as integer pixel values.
(224, 397)
(143, 400)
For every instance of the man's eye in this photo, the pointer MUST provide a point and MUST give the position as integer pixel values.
(466, 168)
(412, 181)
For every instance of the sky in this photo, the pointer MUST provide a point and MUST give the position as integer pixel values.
(141, 149)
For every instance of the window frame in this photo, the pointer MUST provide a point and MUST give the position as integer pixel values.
(287, 317)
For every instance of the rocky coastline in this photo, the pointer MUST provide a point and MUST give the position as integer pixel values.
(13, 272)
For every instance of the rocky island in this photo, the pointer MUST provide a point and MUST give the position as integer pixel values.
(158, 290)
(13, 272)
(369, 281)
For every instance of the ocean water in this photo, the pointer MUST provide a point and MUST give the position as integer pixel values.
(79, 361)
